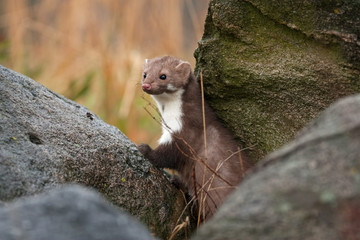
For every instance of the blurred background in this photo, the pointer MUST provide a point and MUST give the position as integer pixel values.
(92, 51)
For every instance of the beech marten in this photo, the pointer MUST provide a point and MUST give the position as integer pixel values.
(177, 93)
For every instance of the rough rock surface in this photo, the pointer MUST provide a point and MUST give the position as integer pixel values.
(65, 214)
(46, 140)
(270, 67)
(309, 189)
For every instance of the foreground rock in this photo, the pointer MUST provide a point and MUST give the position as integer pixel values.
(47, 140)
(67, 214)
(307, 190)
(270, 67)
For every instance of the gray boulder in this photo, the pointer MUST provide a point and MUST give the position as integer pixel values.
(69, 213)
(309, 189)
(270, 67)
(47, 140)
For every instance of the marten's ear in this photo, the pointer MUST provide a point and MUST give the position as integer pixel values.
(184, 70)
(145, 62)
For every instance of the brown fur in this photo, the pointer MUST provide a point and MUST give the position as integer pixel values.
(186, 152)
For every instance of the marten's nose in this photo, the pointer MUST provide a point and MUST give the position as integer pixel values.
(146, 86)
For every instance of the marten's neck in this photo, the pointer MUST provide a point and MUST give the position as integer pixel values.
(170, 107)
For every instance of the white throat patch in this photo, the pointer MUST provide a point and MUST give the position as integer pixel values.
(169, 106)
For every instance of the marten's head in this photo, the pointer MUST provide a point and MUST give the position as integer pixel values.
(165, 75)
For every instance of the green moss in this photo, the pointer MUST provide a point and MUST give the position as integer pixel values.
(266, 78)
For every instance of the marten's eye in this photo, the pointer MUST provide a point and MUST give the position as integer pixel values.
(162, 76)
(144, 75)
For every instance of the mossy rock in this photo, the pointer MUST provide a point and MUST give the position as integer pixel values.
(270, 68)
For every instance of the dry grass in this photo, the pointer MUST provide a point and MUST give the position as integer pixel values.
(92, 50)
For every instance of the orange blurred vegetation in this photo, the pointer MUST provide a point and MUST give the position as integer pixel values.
(92, 51)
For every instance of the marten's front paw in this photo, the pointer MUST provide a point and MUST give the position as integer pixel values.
(144, 149)
(176, 181)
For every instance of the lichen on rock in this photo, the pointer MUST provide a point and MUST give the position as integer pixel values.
(47, 140)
